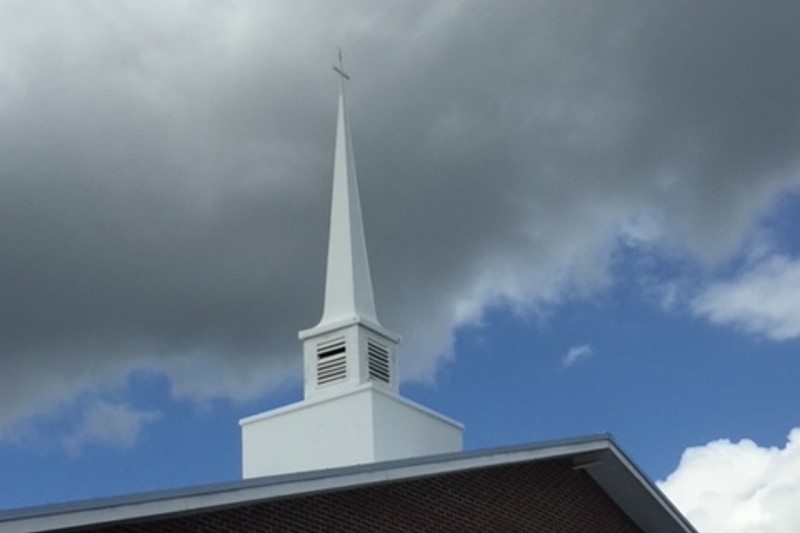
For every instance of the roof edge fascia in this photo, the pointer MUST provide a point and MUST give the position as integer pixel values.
(175, 502)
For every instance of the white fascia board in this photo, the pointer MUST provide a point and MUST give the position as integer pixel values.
(263, 489)
(306, 404)
(635, 492)
(329, 326)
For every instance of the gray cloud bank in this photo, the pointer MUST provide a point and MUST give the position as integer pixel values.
(165, 169)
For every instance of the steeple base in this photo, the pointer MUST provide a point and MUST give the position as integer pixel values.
(365, 425)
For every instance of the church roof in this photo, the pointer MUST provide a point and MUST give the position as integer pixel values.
(593, 461)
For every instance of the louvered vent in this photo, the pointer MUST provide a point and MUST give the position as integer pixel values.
(331, 361)
(378, 356)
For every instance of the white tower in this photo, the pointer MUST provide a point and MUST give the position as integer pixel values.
(352, 412)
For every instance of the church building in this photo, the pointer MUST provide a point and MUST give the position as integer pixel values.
(355, 456)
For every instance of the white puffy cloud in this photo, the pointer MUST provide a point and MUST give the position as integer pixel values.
(576, 353)
(764, 300)
(739, 487)
(109, 424)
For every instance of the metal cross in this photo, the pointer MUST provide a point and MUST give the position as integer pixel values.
(340, 68)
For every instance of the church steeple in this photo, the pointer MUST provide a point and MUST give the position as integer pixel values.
(352, 412)
(348, 284)
(349, 346)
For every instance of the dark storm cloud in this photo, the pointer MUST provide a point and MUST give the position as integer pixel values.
(164, 170)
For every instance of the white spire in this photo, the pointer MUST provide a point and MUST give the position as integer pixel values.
(348, 285)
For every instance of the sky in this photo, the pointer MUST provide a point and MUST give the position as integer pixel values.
(581, 216)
